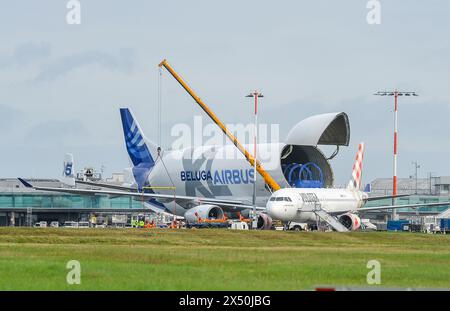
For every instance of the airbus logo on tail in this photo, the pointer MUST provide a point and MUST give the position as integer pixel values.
(135, 138)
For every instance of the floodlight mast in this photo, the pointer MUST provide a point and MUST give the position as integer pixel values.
(255, 95)
(264, 174)
(396, 94)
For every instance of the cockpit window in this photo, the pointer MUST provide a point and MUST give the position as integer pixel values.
(280, 199)
(272, 199)
(288, 199)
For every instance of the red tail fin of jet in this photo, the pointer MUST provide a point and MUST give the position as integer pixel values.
(355, 182)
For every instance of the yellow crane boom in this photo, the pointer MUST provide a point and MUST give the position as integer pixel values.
(266, 176)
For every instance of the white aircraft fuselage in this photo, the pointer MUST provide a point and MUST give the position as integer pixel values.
(213, 172)
(296, 204)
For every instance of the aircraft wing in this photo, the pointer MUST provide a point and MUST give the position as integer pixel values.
(104, 185)
(388, 207)
(229, 205)
(386, 197)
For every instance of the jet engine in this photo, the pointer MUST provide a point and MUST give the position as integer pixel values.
(203, 211)
(350, 221)
(264, 222)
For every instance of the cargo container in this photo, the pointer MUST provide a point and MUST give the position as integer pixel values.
(398, 225)
(445, 224)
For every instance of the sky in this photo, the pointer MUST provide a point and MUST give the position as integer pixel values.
(61, 85)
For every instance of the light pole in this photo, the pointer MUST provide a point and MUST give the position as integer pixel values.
(396, 94)
(416, 166)
(255, 95)
(431, 176)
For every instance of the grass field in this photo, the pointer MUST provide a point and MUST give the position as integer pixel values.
(132, 259)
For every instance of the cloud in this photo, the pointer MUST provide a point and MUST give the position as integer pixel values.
(122, 62)
(26, 54)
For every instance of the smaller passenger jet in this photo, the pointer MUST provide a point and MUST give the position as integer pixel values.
(337, 207)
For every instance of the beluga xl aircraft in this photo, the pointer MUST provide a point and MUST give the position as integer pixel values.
(208, 186)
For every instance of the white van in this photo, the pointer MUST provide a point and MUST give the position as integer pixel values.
(239, 225)
(298, 226)
(83, 224)
(41, 224)
(70, 224)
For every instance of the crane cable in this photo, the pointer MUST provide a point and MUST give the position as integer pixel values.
(159, 106)
(159, 149)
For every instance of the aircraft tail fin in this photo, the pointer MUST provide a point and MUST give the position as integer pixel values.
(138, 147)
(355, 182)
(136, 143)
(68, 175)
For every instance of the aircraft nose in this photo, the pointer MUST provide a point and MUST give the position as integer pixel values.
(269, 206)
(276, 211)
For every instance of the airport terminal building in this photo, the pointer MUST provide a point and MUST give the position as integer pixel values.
(21, 206)
(421, 190)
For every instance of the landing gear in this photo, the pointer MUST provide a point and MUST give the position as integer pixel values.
(313, 227)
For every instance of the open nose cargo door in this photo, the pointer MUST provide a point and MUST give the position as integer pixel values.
(304, 165)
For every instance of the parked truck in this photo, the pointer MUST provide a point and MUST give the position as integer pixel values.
(398, 225)
(445, 225)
